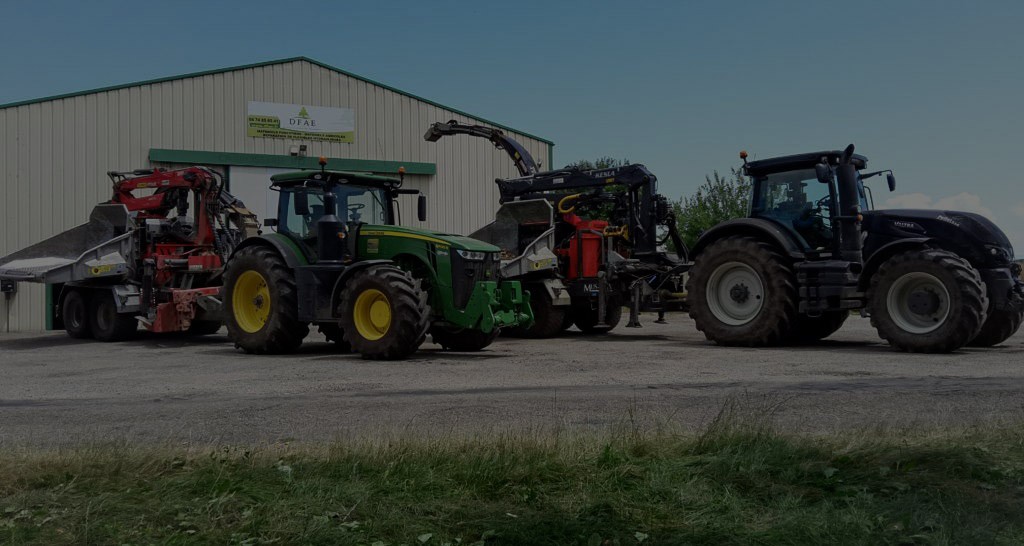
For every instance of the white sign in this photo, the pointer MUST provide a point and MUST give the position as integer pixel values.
(276, 120)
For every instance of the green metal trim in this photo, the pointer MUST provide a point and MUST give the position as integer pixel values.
(288, 161)
(268, 63)
(49, 307)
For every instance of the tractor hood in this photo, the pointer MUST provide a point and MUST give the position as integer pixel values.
(455, 241)
(966, 233)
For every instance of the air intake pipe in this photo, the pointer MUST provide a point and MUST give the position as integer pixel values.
(850, 244)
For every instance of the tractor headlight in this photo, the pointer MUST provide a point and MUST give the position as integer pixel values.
(472, 255)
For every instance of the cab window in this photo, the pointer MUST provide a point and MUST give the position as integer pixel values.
(291, 216)
(798, 201)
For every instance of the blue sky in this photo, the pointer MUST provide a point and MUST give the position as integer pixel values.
(932, 90)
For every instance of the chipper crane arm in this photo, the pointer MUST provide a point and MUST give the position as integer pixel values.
(634, 185)
(520, 156)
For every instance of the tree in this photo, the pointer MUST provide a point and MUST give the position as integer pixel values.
(717, 200)
(602, 211)
(600, 163)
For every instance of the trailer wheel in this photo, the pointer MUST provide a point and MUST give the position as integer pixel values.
(384, 313)
(586, 318)
(107, 323)
(75, 312)
(261, 303)
(568, 321)
(809, 329)
(204, 327)
(927, 301)
(998, 328)
(743, 292)
(464, 340)
(334, 335)
(548, 319)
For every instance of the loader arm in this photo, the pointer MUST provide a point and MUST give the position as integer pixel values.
(520, 156)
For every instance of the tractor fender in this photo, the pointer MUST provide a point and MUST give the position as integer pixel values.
(287, 249)
(339, 283)
(751, 227)
(887, 251)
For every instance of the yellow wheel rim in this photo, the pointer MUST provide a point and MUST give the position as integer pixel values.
(372, 314)
(250, 302)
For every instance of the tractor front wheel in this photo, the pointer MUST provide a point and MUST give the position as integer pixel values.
(464, 340)
(384, 313)
(262, 303)
(927, 301)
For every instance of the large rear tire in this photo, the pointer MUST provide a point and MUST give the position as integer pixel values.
(586, 318)
(742, 292)
(262, 303)
(465, 340)
(810, 329)
(107, 323)
(999, 326)
(75, 313)
(927, 301)
(548, 319)
(384, 313)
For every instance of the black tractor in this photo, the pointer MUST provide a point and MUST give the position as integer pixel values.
(812, 250)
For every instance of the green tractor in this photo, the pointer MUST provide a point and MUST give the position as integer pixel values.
(338, 260)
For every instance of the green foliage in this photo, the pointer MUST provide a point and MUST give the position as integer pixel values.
(600, 163)
(733, 483)
(717, 200)
(602, 211)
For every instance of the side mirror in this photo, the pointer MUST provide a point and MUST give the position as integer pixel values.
(270, 222)
(301, 203)
(823, 172)
(892, 181)
(421, 208)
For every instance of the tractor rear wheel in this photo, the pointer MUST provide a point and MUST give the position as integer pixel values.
(384, 313)
(75, 313)
(262, 303)
(743, 292)
(927, 301)
(107, 323)
(548, 318)
(464, 340)
(334, 335)
(809, 329)
(998, 328)
(586, 319)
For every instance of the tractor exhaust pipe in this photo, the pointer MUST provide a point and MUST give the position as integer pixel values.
(850, 245)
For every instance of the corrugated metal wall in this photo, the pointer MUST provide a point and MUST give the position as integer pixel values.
(54, 154)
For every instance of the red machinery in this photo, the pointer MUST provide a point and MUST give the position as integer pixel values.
(152, 255)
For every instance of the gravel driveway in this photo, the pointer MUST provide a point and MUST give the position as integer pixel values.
(58, 391)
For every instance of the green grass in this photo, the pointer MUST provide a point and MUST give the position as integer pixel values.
(729, 484)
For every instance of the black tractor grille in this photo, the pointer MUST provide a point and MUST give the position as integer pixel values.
(466, 273)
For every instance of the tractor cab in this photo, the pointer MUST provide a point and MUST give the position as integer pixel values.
(790, 192)
(320, 209)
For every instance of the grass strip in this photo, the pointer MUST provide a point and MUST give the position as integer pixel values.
(731, 483)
